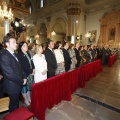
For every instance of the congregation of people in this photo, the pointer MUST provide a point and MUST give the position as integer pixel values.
(23, 64)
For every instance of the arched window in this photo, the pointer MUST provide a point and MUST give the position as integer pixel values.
(30, 9)
(41, 3)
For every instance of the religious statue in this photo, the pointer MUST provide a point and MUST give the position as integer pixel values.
(112, 34)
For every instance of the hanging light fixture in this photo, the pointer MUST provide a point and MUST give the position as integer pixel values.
(87, 35)
(53, 33)
(4, 13)
(37, 36)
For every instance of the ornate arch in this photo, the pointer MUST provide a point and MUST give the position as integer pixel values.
(38, 26)
(55, 21)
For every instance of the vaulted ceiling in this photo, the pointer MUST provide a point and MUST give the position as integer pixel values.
(95, 5)
(92, 1)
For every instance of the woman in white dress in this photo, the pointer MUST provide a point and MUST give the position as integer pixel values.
(40, 65)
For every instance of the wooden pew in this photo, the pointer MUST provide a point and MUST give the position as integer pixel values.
(4, 104)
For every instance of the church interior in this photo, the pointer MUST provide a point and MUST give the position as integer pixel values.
(89, 22)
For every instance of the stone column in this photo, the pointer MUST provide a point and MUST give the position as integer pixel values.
(100, 38)
(73, 13)
(102, 30)
(117, 36)
(48, 26)
(104, 41)
(7, 26)
(105, 33)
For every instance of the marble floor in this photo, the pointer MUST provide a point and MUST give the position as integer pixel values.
(99, 100)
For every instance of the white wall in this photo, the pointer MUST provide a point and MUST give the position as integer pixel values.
(57, 38)
(42, 39)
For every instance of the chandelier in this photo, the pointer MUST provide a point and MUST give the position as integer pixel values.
(87, 35)
(4, 13)
(53, 33)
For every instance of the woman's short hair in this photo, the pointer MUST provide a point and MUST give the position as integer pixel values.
(20, 45)
(71, 45)
(37, 48)
(57, 44)
(30, 47)
(64, 43)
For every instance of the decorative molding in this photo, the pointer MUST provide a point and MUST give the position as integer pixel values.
(19, 6)
(73, 9)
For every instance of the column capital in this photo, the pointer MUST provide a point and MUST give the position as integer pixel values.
(73, 9)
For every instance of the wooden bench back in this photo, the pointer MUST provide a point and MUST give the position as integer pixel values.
(4, 104)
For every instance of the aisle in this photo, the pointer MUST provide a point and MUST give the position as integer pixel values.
(99, 100)
(105, 87)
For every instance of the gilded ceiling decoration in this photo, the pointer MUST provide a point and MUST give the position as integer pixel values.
(18, 5)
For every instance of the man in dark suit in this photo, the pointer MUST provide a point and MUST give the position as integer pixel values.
(14, 76)
(1, 76)
(51, 60)
(77, 53)
(1, 85)
(92, 52)
(104, 55)
(86, 55)
(66, 56)
(109, 51)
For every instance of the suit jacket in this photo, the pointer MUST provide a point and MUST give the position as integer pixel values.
(104, 56)
(109, 51)
(86, 55)
(51, 60)
(92, 53)
(12, 72)
(104, 52)
(67, 59)
(25, 63)
(99, 53)
(78, 57)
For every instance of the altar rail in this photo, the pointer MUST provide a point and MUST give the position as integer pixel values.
(112, 60)
(52, 91)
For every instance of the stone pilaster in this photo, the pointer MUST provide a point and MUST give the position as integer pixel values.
(48, 26)
(73, 13)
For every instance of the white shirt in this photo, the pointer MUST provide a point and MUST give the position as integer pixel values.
(10, 51)
(50, 49)
(12, 54)
(59, 55)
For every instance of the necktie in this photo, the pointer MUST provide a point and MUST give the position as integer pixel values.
(14, 55)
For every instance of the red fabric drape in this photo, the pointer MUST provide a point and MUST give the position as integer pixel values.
(112, 60)
(52, 91)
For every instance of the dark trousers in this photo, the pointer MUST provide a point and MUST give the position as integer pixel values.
(1, 89)
(77, 65)
(67, 67)
(104, 60)
(14, 101)
(50, 74)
